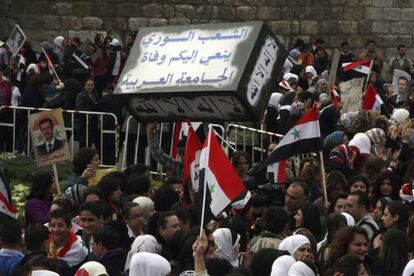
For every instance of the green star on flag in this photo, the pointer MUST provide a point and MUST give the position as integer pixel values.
(295, 133)
(211, 188)
(39, 138)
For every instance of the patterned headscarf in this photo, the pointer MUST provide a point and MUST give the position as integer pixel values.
(334, 139)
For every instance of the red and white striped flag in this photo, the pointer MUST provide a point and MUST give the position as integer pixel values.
(372, 100)
(363, 67)
(279, 171)
(192, 153)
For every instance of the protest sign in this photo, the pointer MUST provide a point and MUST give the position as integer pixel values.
(48, 137)
(351, 94)
(212, 72)
(396, 75)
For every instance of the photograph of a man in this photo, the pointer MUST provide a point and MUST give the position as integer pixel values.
(16, 40)
(52, 143)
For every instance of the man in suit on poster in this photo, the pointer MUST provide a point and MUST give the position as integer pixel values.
(51, 143)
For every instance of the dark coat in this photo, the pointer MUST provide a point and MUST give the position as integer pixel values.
(57, 145)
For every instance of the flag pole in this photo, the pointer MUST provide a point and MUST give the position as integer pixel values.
(325, 191)
(49, 64)
(203, 207)
(368, 76)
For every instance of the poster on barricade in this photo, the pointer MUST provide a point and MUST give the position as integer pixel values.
(351, 94)
(212, 72)
(16, 40)
(402, 84)
(48, 137)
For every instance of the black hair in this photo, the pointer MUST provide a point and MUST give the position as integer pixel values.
(275, 219)
(263, 260)
(10, 232)
(110, 183)
(333, 202)
(82, 158)
(163, 219)
(93, 190)
(60, 214)
(312, 219)
(35, 235)
(363, 199)
(357, 178)
(46, 120)
(371, 41)
(171, 180)
(64, 204)
(42, 181)
(400, 46)
(106, 208)
(189, 215)
(344, 43)
(107, 235)
(165, 198)
(126, 208)
(303, 185)
(137, 184)
(92, 207)
(398, 208)
(236, 156)
(138, 169)
(394, 251)
(348, 265)
(218, 267)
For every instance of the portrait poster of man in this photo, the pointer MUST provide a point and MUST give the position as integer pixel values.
(16, 40)
(49, 137)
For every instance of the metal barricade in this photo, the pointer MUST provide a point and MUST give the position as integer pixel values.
(69, 129)
(138, 129)
(253, 141)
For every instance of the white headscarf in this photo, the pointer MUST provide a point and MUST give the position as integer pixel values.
(58, 41)
(224, 240)
(409, 269)
(300, 269)
(146, 205)
(93, 269)
(311, 69)
(143, 243)
(293, 243)
(274, 100)
(282, 265)
(362, 142)
(44, 273)
(350, 221)
(144, 263)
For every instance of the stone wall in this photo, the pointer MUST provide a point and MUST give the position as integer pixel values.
(389, 22)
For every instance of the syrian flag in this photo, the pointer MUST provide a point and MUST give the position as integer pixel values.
(363, 67)
(6, 206)
(279, 171)
(180, 130)
(219, 175)
(372, 100)
(303, 137)
(192, 161)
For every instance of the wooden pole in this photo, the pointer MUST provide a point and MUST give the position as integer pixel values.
(56, 178)
(325, 191)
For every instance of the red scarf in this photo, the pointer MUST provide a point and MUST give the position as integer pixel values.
(54, 251)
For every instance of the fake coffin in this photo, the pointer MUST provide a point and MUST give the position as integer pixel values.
(212, 72)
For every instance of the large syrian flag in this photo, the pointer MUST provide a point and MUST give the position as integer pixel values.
(363, 67)
(222, 181)
(303, 137)
(180, 131)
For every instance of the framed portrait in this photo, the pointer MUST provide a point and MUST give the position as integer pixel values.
(48, 135)
(16, 40)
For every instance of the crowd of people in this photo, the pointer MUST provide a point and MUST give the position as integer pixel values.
(123, 225)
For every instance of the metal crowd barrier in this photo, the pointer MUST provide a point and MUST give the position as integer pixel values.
(140, 133)
(252, 140)
(28, 110)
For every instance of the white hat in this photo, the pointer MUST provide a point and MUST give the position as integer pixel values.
(289, 76)
(350, 221)
(33, 67)
(400, 115)
(115, 42)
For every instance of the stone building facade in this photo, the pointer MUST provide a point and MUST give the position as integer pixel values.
(389, 22)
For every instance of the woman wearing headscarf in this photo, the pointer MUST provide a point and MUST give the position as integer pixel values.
(291, 60)
(228, 245)
(92, 269)
(282, 265)
(147, 208)
(298, 246)
(304, 268)
(58, 48)
(272, 112)
(143, 243)
(144, 263)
